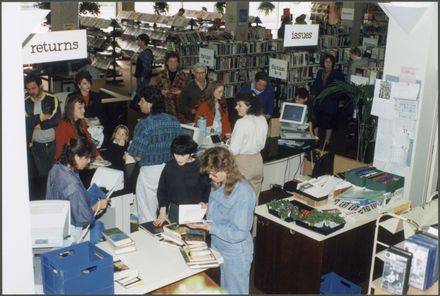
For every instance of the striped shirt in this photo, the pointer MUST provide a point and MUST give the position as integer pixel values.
(152, 138)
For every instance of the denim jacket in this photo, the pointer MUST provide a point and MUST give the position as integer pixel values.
(232, 219)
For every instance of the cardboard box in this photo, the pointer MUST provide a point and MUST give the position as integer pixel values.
(274, 127)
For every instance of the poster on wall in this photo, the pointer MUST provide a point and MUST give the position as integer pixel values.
(301, 35)
(55, 46)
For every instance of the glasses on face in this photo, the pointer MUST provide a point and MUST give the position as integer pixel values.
(199, 72)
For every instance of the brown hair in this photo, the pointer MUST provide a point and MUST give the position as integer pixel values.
(124, 127)
(221, 159)
(209, 96)
(70, 106)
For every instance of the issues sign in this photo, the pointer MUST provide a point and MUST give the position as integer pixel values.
(301, 35)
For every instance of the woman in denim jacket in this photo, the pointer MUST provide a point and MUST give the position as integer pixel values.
(230, 209)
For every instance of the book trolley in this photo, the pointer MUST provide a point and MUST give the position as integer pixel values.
(394, 224)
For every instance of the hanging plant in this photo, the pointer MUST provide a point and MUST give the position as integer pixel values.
(161, 8)
(266, 7)
(220, 7)
(93, 8)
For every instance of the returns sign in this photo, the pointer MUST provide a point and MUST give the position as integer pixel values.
(55, 46)
(301, 35)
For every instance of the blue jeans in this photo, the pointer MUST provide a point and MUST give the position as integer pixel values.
(234, 272)
(44, 156)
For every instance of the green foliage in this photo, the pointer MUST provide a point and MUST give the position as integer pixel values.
(362, 97)
(266, 7)
(161, 8)
(220, 7)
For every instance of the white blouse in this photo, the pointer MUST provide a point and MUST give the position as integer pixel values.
(249, 135)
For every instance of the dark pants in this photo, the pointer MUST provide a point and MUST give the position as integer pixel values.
(44, 156)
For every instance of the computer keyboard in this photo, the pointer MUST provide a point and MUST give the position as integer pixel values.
(297, 135)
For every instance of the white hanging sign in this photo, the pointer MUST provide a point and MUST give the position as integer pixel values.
(206, 56)
(347, 14)
(55, 46)
(278, 68)
(301, 35)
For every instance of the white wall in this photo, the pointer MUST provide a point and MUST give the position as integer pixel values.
(418, 49)
(17, 270)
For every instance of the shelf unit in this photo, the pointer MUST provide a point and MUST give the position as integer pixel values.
(395, 224)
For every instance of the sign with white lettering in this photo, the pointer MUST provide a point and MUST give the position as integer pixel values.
(301, 35)
(347, 14)
(55, 46)
(206, 56)
(278, 68)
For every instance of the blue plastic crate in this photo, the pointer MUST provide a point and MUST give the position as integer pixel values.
(78, 269)
(332, 283)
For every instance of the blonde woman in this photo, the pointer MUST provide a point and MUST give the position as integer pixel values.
(230, 209)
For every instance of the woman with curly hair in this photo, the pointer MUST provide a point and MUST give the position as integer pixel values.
(215, 108)
(230, 209)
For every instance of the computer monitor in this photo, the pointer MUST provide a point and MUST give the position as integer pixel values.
(50, 222)
(192, 131)
(293, 113)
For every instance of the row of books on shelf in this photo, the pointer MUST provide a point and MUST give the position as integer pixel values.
(124, 275)
(234, 76)
(128, 44)
(201, 14)
(331, 41)
(259, 33)
(295, 58)
(153, 34)
(238, 62)
(327, 29)
(97, 43)
(414, 264)
(100, 62)
(120, 242)
(188, 50)
(288, 90)
(239, 47)
(95, 22)
(176, 21)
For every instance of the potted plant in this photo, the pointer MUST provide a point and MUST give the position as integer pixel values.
(161, 8)
(266, 7)
(220, 7)
(362, 97)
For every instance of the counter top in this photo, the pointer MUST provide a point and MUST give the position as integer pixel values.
(272, 151)
(351, 222)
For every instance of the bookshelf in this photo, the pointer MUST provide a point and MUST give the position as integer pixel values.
(399, 226)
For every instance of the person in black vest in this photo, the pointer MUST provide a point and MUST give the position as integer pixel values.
(144, 62)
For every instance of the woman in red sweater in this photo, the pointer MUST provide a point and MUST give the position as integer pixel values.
(72, 125)
(215, 108)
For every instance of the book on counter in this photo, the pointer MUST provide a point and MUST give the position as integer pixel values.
(117, 237)
(124, 249)
(170, 240)
(175, 230)
(198, 256)
(151, 228)
(122, 271)
(396, 270)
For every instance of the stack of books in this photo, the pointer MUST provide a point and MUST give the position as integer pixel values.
(119, 241)
(180, 235)
(198, 256)
(124, 275)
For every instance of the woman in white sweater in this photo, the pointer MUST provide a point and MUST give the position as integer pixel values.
(249, 138)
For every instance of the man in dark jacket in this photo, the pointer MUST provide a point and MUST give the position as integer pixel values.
(144, 62)
(192, 93)
(42, 115)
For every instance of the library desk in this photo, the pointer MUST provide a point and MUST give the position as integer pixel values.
(290, 259)
(158, 265)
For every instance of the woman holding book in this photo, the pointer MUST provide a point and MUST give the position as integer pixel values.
(64, 183)
(231, 208)
(181, 181)
(215, 108)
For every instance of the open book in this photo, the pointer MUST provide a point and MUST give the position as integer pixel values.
(184, 214)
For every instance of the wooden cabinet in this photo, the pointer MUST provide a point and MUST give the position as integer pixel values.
(292, 263)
